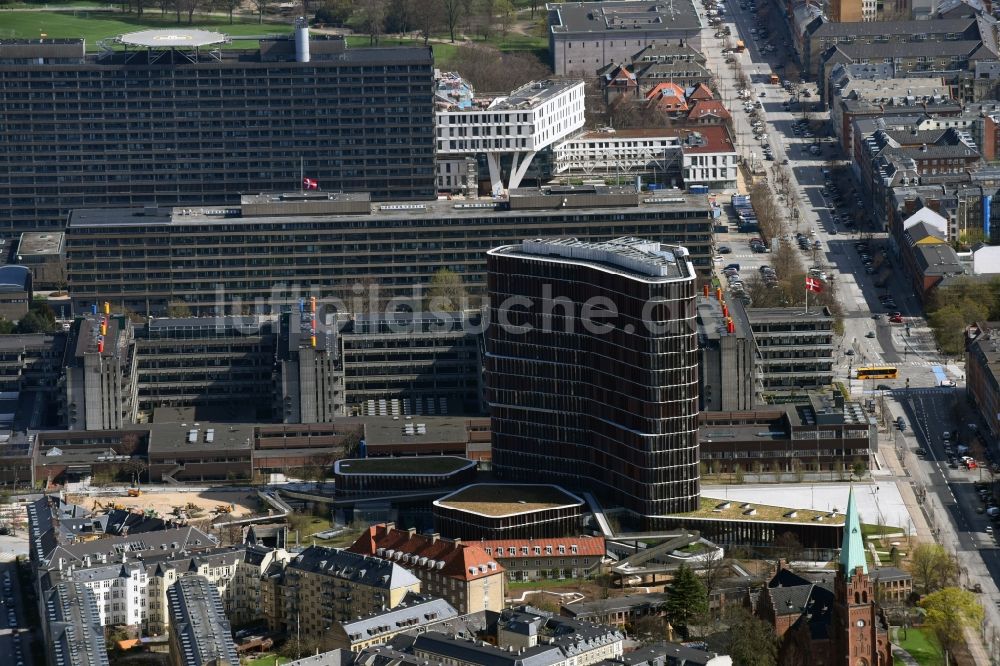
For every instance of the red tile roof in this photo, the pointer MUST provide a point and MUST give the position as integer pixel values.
(463, 561)
(701, 91)
(716, 140)
(668, 96)
(585, 546)
(709, 107)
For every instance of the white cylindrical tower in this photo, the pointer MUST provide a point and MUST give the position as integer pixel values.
(301, 39)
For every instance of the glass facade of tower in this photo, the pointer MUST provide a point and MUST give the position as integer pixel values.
(592, 375)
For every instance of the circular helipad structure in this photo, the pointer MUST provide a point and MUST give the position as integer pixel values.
(172, 38)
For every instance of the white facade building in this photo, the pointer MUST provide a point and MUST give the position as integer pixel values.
(705, 156)
(531, 118)
(612, 152)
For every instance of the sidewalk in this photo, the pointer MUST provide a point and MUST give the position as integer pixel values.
(923, 533)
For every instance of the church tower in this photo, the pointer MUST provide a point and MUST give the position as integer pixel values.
(858, 637)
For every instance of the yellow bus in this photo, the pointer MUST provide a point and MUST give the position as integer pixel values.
(878, 372)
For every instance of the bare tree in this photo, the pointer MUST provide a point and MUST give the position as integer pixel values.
(506, 14)
(261, 6)
(488, 68)
(487, 13)
(427, 17)
(228, 6)
(370, 19)
(188, 7)
(453, 11)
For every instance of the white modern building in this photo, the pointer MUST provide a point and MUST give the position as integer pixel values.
(673, 157)
(520, 124)
(610, 152)
(710, 158)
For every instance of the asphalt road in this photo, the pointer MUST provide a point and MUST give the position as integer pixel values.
(951, 502)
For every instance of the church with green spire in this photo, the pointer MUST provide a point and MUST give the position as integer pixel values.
(829, 621)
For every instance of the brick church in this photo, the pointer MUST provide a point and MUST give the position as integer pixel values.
(830, 621)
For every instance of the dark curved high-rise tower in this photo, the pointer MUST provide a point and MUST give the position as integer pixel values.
(592, 370)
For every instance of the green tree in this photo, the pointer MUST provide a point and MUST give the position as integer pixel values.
(334, 12)
(932, 567)
(752, 641)
(7, 327)
(446, 292)
(686, 599)
(950, 611)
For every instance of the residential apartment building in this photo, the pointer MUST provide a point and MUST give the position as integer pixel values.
(562, 409)
(200, 634)
(982, 372)
(531, 118)
(267, 255)
(416, 613)
(463, 574)
(71, 627)
(524, 627)
(795, 346)
(99, 387)
(585, 36)
(890, 158)
(889, 36)
(155, 124)
(323, 586)
(552, 558)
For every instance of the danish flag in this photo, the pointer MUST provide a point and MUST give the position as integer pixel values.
(310, 184)
(814, 285)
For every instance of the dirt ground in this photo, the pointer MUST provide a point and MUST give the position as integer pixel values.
(244, 503)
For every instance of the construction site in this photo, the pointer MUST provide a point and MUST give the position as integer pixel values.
(186, 507)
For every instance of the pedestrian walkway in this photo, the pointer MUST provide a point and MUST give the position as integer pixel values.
(899, 654)
(923, 533)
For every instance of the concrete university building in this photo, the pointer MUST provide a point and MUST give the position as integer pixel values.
(263, 255)
(167, 118)
(605, 402)
(585, 36)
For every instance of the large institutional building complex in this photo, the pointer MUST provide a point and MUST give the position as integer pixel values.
(172, 120)
(265, 254)
(592, 369)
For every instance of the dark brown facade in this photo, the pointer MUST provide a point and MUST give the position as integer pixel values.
(613, 409)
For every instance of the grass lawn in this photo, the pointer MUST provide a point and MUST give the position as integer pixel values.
(442, 51)
(267, 660)
(547, 584)
(94, 26)
(922, 645)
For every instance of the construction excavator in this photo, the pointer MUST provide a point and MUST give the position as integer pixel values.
(224, 508)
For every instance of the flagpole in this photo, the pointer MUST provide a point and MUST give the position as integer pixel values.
(807, 296)
(302, 175)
